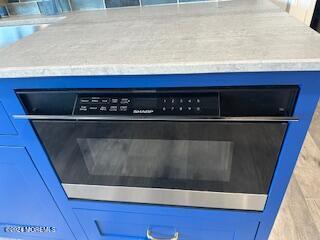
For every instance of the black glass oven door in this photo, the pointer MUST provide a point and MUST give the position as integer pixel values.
(165, 162)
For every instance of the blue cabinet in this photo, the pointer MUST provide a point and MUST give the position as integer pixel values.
(6, 127)
(24, 196)
(25, 203)
(113, 225)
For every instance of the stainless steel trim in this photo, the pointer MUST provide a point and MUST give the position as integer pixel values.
(157, 118)
(242, 201)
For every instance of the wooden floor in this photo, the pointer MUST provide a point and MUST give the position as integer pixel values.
(299, 215)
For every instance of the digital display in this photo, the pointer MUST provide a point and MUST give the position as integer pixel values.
(144, 103)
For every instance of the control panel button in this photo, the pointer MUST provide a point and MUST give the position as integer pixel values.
(183, 105)
(84, 100)
(123, 108)
(124, 100)
(105, 100)
(113, 108)
(83, 108)
(94, 100)
(103, 108)
(114, 100)
(93, 108)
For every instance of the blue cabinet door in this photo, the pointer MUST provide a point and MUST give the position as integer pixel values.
(27, 210)
(113, 225)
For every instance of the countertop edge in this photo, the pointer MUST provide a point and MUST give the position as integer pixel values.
(29, 20)
(160, 69)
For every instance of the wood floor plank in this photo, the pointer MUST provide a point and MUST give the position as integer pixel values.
(315, 126)
(307, 171)
(294, 195)
(294, 220)
(314, 208)
(284, 227)
(310, 154)
(304, 223)
(309, 180)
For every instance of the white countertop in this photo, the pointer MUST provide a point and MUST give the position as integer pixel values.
(235, 36)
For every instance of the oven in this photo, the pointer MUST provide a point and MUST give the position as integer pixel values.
(195, 147)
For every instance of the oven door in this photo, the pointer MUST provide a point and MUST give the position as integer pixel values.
(211, 164)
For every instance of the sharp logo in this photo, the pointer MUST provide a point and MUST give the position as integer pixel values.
(145, 111)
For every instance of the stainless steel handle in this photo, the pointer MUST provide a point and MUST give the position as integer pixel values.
(150, 237)
(156, 118)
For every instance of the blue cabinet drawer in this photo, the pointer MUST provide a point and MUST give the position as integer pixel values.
(6, 127)
(103, 225)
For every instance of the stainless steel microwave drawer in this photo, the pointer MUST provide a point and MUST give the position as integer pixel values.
(6, 126)
(108, 225)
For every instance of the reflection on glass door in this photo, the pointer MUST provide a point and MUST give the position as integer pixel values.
(202, 156)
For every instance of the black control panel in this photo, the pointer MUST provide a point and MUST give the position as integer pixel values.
(145, 104)
(206, 102)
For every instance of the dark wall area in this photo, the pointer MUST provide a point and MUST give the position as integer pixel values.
(315, 23)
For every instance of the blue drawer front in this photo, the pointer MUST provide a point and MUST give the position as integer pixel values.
(6, 127)
(103, 225)
(123, 230)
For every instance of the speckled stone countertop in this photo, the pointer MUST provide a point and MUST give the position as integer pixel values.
(234, 36)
